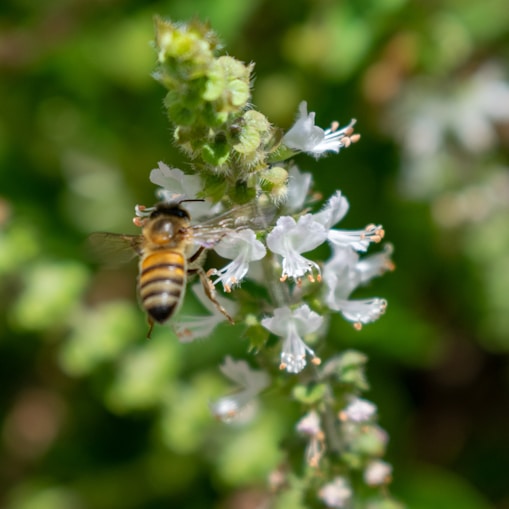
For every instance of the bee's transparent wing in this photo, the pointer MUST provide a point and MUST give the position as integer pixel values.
(113, 249)
(253, 216)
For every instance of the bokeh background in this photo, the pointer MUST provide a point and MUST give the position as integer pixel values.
(92, 415)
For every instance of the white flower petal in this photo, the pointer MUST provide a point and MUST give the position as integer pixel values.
(175, 181)
(290, 238)
(357, 239)
(189, 328)
(336, 493)
(291, 325)
(297, 189)
(377, 472)
(335, 209)
(238, 407)
(305, 136)
(242, 247)
(361, 311)
(241, 373)
(309, 424)
(358, 410)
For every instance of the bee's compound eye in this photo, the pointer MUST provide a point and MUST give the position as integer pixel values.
(161, 231)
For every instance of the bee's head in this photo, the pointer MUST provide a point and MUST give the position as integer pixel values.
(172, 209)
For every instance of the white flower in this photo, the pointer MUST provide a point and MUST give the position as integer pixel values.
(289, 239)
(309, 425)
(360, 311)
(336, 493)
(297, 189)
(340, 274)
(358, 410)
(242, 247)
(334, 210)
(189, 328)
(175, 182)
(375, 265)
(377, 472)
(305, 136)
(344, 273)
(292, 325)
(176, 186)
(251, 383)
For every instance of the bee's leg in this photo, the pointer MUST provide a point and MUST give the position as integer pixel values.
(150, 327)
(196, 256)
(210, 291)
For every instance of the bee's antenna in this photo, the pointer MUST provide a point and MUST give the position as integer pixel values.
(190, 200)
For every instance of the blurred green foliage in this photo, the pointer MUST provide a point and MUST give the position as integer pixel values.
(95, 416)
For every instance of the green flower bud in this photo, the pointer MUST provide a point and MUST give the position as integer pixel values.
(275, 176)
(254, 129)
(188, 48)
(228, 84)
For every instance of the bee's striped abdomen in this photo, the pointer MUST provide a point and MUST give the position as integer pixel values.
(161, 283)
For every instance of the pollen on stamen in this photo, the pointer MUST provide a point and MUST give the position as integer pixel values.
(184, 333)
(316, 361)
(139, 222)
(283, 278)
(319, 278)
(355, 138)
(314, 460)
(311, 279)
(334, 125)
(376, 233)
(357, 325)
(282, 366)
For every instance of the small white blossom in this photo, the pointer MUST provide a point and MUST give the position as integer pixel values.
(357, 311)
(335, 209)
(290, 238)
(242, 247)
(175, 182)
(340, 274)
(292, 325)
(176, 186)
(358, 410)
(336, 493)
(309, 425)
(375, 265)
(344, 273)
(189, 328)
(297, 189)
(357, 239)
(377, 472)
(251, 382)
(305, 136)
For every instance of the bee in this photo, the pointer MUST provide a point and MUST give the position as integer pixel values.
(170, 249)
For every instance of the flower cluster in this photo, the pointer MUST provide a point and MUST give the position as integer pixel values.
(282, 246)
(257, 210)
